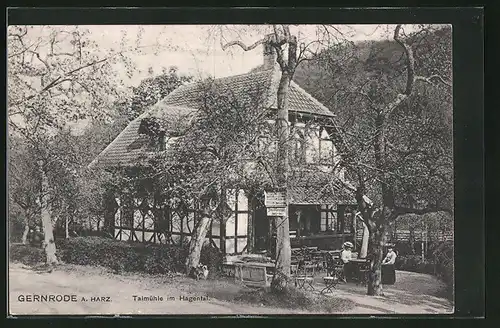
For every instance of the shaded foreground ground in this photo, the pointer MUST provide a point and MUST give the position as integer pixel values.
(413, 293)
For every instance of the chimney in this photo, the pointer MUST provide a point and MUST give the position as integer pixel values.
(269, 53)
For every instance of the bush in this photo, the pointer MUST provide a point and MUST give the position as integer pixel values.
(442, 254)
(163, 259)
(439, 263)
(16, 228)
(26, 254)
(213, 259)
(120, 256)
(414, 263)
(124, 256)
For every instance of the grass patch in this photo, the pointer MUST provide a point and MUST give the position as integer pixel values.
(26, 254)
(291, 298)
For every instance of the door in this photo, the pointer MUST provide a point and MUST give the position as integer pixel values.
(262, 229)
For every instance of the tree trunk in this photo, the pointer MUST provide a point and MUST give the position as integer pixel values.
(283, 247)
(364, 244)
(66, 228)
(380, 219)
(299, 222)
(426, 238)
(196, 242)
(354, 229)
(422, 244)
(48, 232)
(377, 254)
(411, 240)
(24, 239)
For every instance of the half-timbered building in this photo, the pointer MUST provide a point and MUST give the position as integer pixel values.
(319, 209)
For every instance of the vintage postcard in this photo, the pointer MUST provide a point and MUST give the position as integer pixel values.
(230, 169)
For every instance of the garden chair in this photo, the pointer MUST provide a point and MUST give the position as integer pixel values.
(293, 269)
(338, 270)
(330, 264)
(335, 267)
(319, 260)
(332, 278)
(330, 284)
(304, 277)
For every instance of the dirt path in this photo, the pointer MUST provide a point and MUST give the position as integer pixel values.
(413, 293)
(120, 289)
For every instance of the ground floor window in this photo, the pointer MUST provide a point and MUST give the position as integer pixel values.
(308, 220)
(304, 219)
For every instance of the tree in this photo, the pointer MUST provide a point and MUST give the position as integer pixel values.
(207, 154)
(23, 185)
(288, 56)
(56, 75)
(397, 143)
(153, 89)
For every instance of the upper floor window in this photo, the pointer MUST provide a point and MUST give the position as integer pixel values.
(311, 144)
(326, 148)
(165, 141)
(299, 146)
(162, 142)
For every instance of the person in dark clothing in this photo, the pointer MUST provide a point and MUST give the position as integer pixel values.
(36, 238)
(388, 270)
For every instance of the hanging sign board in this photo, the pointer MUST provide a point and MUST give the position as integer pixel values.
(276, 211)
(274, 199)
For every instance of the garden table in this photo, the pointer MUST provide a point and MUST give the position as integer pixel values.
(360, 270)
(254, 273)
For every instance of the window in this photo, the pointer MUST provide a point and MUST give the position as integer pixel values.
(311, 144)
(349, 223)
(304, 220)
(162, 142)
(326, 148)
(299, 149)
(127, 214)
(166, 141)
(328, 219)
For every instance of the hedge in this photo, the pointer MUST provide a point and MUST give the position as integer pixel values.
(119, 256)
(26, 254)
(439, 263)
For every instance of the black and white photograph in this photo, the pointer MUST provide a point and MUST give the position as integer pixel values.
(230, 169)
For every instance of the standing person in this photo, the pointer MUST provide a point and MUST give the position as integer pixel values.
(346, 256)
(388, 270)
(37, 238)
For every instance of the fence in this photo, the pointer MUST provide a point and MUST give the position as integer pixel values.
(419, 236)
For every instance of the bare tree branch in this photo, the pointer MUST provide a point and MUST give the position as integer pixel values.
(59, 80)
(410, 69)
(242, 45)
(433, 77)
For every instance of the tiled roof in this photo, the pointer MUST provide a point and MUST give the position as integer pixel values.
(301, 101)
(318, 188)
(129, 146)
(121, 150)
